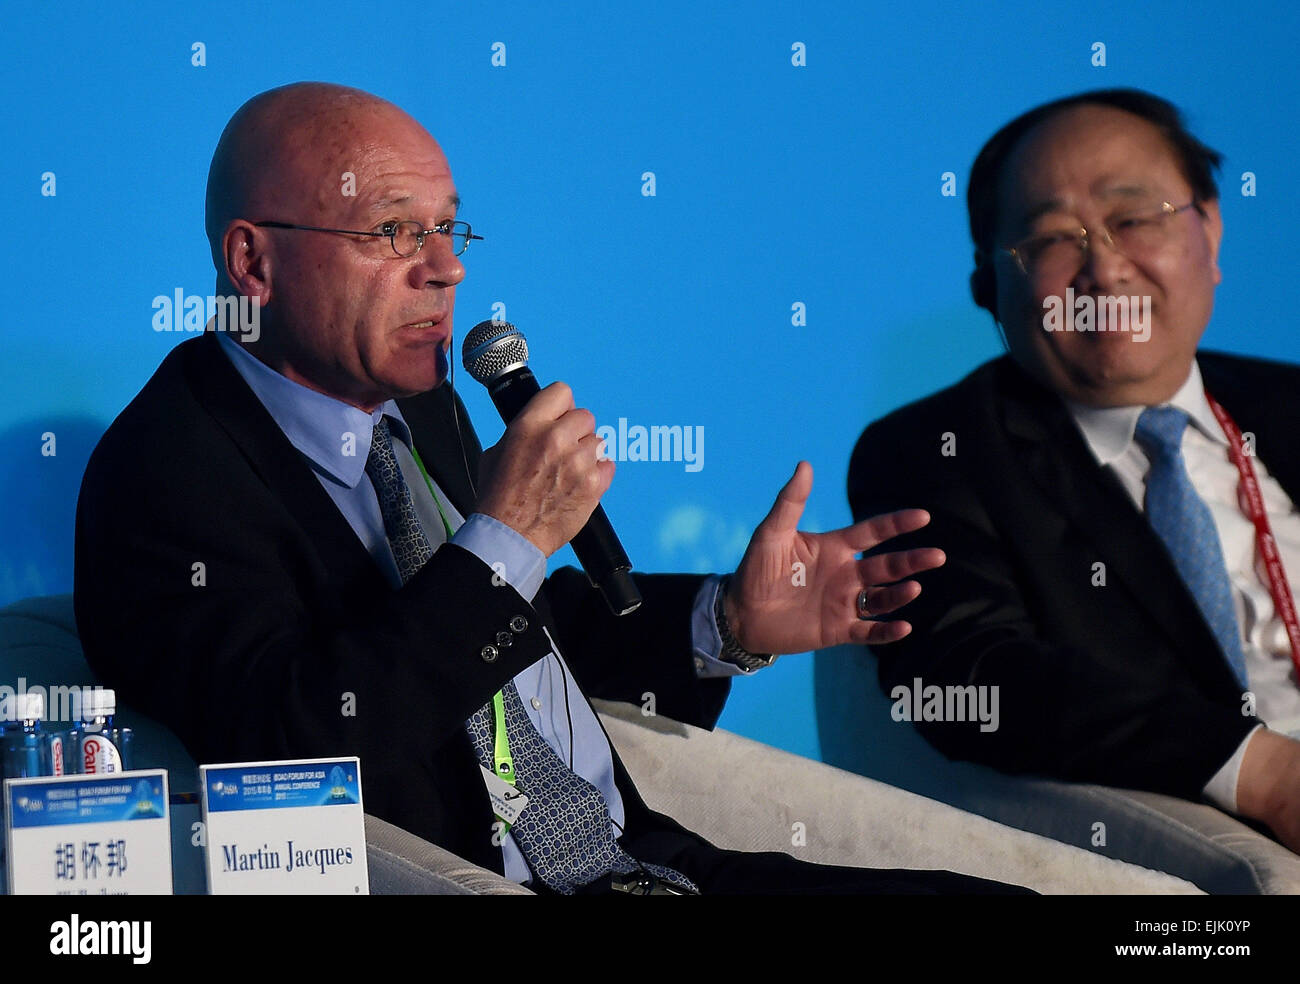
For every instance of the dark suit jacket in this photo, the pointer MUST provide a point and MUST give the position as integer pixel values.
(254, 659)
(1120, 684)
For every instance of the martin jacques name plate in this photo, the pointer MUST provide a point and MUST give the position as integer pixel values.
(285, 828)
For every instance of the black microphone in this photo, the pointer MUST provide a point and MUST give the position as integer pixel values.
(496, 354)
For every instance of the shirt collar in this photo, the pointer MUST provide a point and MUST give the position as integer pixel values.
(1109, 430)
(332, 435)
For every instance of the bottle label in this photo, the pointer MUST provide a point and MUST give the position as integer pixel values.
(99, 754)
(56, 755)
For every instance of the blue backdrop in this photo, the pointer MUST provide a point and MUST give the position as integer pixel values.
(797, 152)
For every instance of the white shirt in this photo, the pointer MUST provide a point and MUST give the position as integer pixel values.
(1269, 672)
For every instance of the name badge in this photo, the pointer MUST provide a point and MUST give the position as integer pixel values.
(280, 828)
(89, 835)
(507, 802)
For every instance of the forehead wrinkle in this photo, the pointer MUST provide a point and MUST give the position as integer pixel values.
(1103, 190)
(396, 173)
(1051, 152)
(385, 202)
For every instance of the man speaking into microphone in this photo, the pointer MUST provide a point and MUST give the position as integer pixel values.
(292, 545)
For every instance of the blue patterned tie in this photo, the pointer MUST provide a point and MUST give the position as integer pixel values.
(1183, 522)
(406, 537)
(565, 832)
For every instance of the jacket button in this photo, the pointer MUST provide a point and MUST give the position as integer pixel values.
(518, 624)
(505, 639)
(489, 654)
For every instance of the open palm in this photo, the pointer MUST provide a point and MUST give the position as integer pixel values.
(799, 591)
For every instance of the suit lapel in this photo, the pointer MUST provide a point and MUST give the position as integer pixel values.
(236, 409)
(221, 389)
(450, 459)
(1259, 407)
(1047, 441)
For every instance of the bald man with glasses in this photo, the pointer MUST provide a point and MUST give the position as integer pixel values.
(355, 540)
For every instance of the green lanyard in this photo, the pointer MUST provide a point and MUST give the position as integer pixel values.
(504, 764)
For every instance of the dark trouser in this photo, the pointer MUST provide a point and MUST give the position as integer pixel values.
(720, 872)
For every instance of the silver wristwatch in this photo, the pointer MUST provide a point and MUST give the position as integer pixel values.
(733, 651)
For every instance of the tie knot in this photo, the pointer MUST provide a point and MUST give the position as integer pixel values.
(1161, 429)
(381, 444)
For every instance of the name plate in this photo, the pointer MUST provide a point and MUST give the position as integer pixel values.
(285, 828)
(89, 835)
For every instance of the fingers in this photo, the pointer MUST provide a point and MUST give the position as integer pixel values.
(876, 530)
(890, 567)
(545, 407)
(879, 633)
(790, 502)
(882, 601)
(575, 425)
(552, 412)
(604, 469)
(556, 399)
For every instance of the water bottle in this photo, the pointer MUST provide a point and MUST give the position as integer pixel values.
(28, 751)
(99, 746)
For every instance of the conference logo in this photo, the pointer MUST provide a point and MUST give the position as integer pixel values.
(1086, 313)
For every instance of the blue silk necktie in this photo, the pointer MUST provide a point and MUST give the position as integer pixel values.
(1183, 521)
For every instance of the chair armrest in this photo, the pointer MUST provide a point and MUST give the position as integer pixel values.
(743, 795)
(1274, 869)
(1192, 841)
(401, 863)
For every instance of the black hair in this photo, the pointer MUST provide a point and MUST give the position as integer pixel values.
(1196, 161)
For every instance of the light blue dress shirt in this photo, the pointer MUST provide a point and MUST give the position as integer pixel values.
(334, 439)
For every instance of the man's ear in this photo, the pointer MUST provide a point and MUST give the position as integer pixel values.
(1213, 222)
(248, 267)
(983, 285)
(984, 291)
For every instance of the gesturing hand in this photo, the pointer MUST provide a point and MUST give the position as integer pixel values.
(774, 606)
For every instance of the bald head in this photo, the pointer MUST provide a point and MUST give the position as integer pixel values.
(342, 311)
(283, 153)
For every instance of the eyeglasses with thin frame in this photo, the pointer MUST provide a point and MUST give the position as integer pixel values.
(406, 238)
(1135, 235)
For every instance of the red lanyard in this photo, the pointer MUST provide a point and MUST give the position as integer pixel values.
(1248, 489)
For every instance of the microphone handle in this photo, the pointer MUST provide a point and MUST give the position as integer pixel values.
(596, 545)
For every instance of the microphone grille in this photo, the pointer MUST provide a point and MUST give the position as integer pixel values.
(491, 348)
